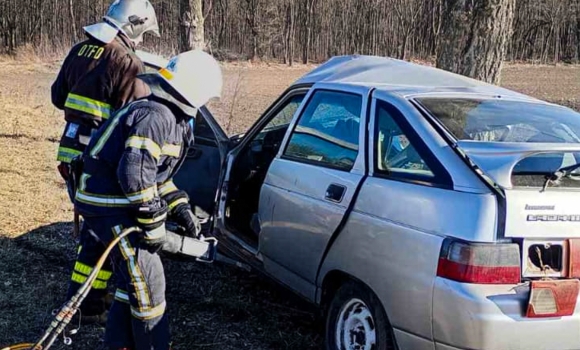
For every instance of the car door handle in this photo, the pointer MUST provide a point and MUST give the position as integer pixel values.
(335, 193)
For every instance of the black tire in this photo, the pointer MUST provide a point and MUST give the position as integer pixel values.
(347, 296)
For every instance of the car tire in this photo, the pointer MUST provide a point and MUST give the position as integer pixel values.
(356, 320)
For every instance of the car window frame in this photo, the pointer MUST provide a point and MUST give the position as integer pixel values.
(270, 113)
(302, 110)
(441, 177)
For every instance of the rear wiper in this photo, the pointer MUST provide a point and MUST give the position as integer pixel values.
(556, 177)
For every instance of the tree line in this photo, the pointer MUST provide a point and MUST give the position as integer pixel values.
(297, 30)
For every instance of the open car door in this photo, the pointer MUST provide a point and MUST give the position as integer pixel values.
(200, 173)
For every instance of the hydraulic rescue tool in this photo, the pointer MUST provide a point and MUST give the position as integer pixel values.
(203, 250)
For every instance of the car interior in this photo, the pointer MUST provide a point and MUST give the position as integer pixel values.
(250, 169)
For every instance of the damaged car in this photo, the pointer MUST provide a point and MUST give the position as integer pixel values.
(418, 208)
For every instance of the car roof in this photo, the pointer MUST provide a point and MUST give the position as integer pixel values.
(401, 77)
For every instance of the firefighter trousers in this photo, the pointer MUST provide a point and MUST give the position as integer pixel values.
(90, 249)
(137, 319)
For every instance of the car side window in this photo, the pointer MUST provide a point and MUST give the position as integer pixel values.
(327, 133)
(284, 116)
(399, 152)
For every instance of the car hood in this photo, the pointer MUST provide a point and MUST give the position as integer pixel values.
(498, 159)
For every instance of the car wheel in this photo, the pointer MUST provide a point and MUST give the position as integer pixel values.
(356, 320)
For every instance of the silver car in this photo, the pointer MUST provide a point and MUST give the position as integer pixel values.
(419, 209)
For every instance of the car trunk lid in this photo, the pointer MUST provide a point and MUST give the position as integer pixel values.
(519, 170)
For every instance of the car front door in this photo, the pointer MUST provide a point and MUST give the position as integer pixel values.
(311, 183)
(200, 172)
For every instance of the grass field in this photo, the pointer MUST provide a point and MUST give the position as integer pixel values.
(212, 307)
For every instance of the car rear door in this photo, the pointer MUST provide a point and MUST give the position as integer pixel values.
(311, 184)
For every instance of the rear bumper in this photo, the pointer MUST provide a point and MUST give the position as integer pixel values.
(470, 316)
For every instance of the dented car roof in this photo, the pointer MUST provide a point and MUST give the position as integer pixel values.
(402, 77)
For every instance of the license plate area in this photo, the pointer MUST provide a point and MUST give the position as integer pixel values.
(545, 258)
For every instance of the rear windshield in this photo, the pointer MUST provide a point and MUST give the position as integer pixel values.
(497, 120)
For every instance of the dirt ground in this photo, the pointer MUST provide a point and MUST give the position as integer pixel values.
(212, 307)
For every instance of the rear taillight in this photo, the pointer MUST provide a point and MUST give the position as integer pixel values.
(480, 263)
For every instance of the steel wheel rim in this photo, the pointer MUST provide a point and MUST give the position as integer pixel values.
(355, 327)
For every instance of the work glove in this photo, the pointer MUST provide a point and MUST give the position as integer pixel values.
(151, 218)
(182, 214)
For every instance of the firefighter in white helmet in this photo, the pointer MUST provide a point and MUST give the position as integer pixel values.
(97, 78)
(127, 181)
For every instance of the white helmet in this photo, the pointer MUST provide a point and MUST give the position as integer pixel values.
(134, 18)
(195, 75)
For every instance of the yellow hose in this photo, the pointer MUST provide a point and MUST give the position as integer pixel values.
(23, 346)
(65, 314)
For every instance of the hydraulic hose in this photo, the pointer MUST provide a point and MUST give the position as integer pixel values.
(65, 314)
(23, 346)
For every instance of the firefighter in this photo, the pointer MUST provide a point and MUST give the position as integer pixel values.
(98, 77)
(127, 181)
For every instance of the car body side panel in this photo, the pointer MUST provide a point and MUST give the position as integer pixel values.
(441, 212)
(397, 263)
(296, 222)
(393, 238)
(408, 341)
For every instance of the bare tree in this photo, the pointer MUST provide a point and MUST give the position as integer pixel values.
(289, 33)
(474, 37)
(313, 30)
(72, 19)
(408, 12)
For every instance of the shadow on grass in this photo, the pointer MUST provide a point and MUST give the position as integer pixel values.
(211, 306)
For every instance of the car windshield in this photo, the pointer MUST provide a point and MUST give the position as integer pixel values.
(496, 120)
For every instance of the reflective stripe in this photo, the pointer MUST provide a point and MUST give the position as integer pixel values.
(122, 296)
(155, 233)
(152, 220)
(80, 279)
(103, 139)
(143, 196)
(149, 145)
(86, 270)
(149, 313)
(101, 201)
(177, 202)
(88, 105)
(137, 279)
(83, 182)
(167, 188)
(84, 140)
(171, 150)
(66, 155)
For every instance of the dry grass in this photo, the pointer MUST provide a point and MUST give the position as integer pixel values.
(211, 307)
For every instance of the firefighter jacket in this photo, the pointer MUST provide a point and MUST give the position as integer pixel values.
(95, 80)
(132, 159)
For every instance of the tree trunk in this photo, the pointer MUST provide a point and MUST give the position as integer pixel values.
(72, 20)
(577, 3)
(289, 34)
(192, 34)
(308, 31)
(474, 37)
